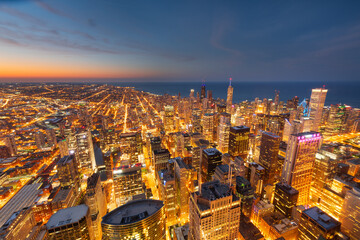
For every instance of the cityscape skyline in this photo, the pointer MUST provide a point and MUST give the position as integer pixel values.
(263, 41)
(99, 161)
(190, 120)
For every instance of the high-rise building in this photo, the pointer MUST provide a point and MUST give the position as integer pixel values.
(51, 136)
(299, 162)
(229, 98)
(256, 176)
(70, 223)
(169, 122)
(208, 126)
(160, 159)
(185, 175)
(168, 195)
(214, 212)
(224, 132)
(225, 174)
(85, 151)
(109, 164)
(336, 123)
(211, 158)
(203, 91)
(246, 194)
(63, 147)
(192, 94)
(11, 144)
(315, 223)
(68, 173)
(40, 140)
(285, 198)
(324, 171)
(268, 157)
(96, 201)
(140, 219)
(19, 225)
(155, 143)
(317, 101)
(276, 100)
(127, 183)
(239, 141)
(350, 214)
(260, 209)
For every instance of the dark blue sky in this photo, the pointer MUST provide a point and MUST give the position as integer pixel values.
(181, 41)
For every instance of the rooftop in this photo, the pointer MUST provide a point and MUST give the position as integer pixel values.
(224, 168)
(321, 218)
(248, 231)
(212, 151)
(161, 151)
(64, 160)
(270, 134)
(287, 188)
(355, 161)
(67, 216)
(24, 198)
(132, 212)
(214, 190)
(238, 128)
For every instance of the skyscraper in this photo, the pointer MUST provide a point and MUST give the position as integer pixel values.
(127, 183)
(299, 162)
(160, 159)
(214, 212)
(70, 223)
(268, 158)
(211, 158)
(208, 126)
(169, 118)
(350, 214)
(140, 219)
(85, 149)
(315, 223)
(317, 101)
(229, 98)
(168, 195)
(285, 198)
(96, 201)
(203, 91)
(184, 185)
(68, 173)
(239, 141)
(276, 100)
(224, 132)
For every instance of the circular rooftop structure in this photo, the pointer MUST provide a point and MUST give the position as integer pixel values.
(140, 219)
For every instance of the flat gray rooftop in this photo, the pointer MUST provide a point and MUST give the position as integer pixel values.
(67, 216)
(321, 218)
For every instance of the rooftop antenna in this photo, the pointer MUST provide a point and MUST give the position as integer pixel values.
(230, 81)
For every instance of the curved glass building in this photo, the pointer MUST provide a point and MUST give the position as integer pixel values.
(140, 219)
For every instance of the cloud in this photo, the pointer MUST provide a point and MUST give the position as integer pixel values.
(49, 8)
(91, 22)
(10, 41)
(219, 31)
(24, 16)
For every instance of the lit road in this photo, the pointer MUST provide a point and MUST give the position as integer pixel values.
(93, 95)
(5, 103)
(341, 138)
(125, 117)
(152, 122)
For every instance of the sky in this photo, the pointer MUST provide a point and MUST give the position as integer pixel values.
(115, 40)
